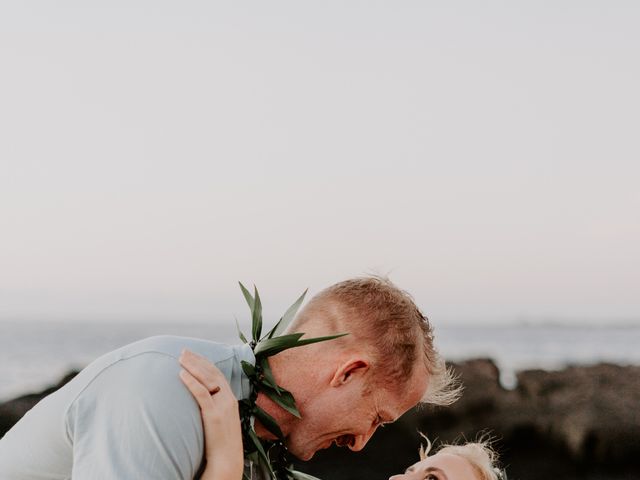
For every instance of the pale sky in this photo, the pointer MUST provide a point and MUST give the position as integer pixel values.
(484, 154)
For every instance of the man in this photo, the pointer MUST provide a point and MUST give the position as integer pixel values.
(128, 415)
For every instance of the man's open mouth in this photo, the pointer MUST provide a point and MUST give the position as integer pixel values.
(344, 440)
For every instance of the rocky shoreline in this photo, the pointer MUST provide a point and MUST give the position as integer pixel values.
(578, 423)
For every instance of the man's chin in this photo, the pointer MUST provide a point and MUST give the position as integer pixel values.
(306, 457)
(303, 456)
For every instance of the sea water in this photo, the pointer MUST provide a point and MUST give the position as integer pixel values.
(34, 355)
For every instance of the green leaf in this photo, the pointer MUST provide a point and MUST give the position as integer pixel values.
(268, 422)
(288, 316)
(248, 369)
(260, 457)
(242, 337)
(270, 332)
(268, 375)
(272, 346)
(296, 475)
(258, 444)
(247, 296)
(308, 341)
(254, 459)
(266, 347)
(257, 316)
(245, 402)
(284, 399)
(267, 470)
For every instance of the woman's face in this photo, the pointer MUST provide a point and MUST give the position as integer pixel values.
(441, 466)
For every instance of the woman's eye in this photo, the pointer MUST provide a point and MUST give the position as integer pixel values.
(431, 476)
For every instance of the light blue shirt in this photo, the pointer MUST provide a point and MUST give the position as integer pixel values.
(126, 416)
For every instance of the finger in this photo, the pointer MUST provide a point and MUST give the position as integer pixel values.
(199, 391)
(202, 369)
(200, 364)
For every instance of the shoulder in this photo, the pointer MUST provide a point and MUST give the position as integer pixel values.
(172, 345)
(135, 394)
(159, 351)
(144, 376)
(147, 364)
(133, 405)
(143, 380)
(150, 368)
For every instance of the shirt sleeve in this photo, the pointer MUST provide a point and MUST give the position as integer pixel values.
(136, 420)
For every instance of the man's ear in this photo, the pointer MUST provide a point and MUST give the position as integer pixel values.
(348, 370)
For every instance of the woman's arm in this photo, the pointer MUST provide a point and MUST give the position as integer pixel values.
(220, 417)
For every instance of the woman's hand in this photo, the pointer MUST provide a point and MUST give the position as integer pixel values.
(220, 417)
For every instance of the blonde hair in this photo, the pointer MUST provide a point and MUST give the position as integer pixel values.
(387, 318)
(479, 454)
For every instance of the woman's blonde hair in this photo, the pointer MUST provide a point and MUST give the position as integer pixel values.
(479, 454)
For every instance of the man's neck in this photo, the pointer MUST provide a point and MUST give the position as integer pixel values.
(283, 368)
(279, 415)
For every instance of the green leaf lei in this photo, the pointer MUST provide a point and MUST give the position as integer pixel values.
(270, 457)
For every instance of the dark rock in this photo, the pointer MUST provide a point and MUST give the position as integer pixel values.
(592, 411)
(577, 423)
(13, 410)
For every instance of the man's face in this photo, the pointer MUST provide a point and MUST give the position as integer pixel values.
(349, 414)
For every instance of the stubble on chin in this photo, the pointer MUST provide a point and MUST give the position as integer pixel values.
(303, 454)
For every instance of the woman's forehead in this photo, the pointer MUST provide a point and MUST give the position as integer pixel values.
(455, 466)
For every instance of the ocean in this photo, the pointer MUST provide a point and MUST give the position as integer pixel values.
(34, 355)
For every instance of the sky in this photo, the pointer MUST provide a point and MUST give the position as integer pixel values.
(484, 155)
